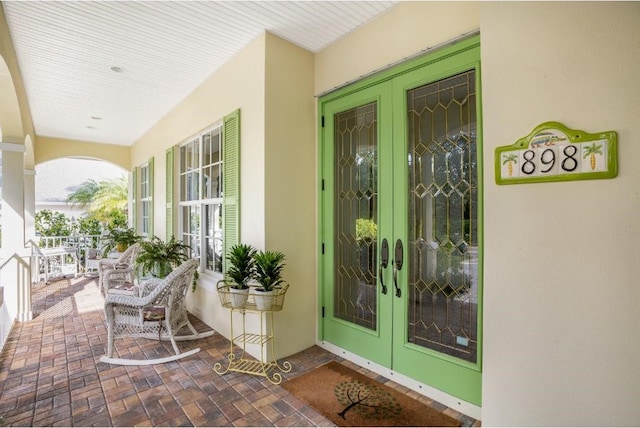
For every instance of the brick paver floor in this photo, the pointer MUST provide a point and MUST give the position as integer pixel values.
(50, 375)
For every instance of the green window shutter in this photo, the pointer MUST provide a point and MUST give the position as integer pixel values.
(134, 199)
(151, 195)
(231, 182)
(169, 157)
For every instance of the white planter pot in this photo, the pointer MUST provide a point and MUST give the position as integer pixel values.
(238, 297)
(265, 299)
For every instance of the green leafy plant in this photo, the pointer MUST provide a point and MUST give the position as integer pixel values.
(268, 269)
(159, 258)
(366, 230)
(88, 225)
(106, 200)
(241, 265)
(120, 238)
(52, 223)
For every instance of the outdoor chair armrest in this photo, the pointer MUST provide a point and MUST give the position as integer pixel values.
(148, 285)
(109, 273)
(126, 300)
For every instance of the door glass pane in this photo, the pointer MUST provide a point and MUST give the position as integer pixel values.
(443, 215)
(356, 194)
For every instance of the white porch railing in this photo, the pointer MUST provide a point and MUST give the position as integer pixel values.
(17, 272)
(77, 241)
(61, 255)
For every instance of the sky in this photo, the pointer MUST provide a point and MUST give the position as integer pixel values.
(56, 179)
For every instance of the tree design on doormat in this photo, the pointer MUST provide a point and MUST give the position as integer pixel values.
(367, 399)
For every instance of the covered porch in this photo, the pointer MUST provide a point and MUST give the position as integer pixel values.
(50, 375)
(558, 300)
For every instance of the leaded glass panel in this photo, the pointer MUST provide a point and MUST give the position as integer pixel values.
(356, 190)
(443, 215)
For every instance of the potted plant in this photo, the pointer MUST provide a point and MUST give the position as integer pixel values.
(268, 274)
(159, 258)
(119, 239)
(366, 235)
(239, 273)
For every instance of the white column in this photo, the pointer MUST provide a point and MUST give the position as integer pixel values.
(30, 204)
(15, 275)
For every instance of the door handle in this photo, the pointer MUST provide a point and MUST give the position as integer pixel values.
(384, 261)
(397, 265)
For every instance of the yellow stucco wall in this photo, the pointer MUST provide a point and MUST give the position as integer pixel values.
(239, 84)
(15, 119)
(290, 185)
(10, 121)
(48, 148)
(561, 272)
(402, 32)
(271, 82)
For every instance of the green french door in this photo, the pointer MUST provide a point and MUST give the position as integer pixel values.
(401, 221)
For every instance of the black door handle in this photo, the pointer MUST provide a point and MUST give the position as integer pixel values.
(384, 261)
(397, 265)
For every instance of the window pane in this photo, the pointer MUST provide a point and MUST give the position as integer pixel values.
(206, 149)
(183, 187)
(216, 181)
(190, 227)
(216, 156)
(194, 222)
(144, 182)
(185, 223)
(207, 185)
(213, 236)
(183, 158)
(195, 156)
(192, 186)
(145, 216)
(200, 181)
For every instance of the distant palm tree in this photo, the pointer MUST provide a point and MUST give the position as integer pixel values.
(84, 194)
(111, 194)
(107, 200)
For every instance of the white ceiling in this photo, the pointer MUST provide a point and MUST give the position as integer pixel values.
(66, 49)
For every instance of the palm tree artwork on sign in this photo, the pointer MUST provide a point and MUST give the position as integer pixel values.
(509, 160)
(592, 150)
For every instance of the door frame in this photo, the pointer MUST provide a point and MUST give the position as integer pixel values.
(409, 66)
(442, 367)
(354, 336)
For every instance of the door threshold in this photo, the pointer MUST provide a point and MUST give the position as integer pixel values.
(448, 400)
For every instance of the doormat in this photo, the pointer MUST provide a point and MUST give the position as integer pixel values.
(349, 398)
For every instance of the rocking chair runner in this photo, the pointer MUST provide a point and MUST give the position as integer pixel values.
(126, 260)
(158, 309)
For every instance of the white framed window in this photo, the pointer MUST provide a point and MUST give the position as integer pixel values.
(201, 197)
(141, 218)
(146, 201)
(208, 207)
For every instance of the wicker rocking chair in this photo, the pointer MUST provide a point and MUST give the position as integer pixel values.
(157, 312)
(126, 261)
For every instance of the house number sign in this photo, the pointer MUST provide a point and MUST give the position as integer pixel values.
(553, 152)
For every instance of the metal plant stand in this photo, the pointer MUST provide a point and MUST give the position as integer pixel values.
(244, 363)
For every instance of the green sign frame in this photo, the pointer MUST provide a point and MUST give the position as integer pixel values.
(554, 152)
